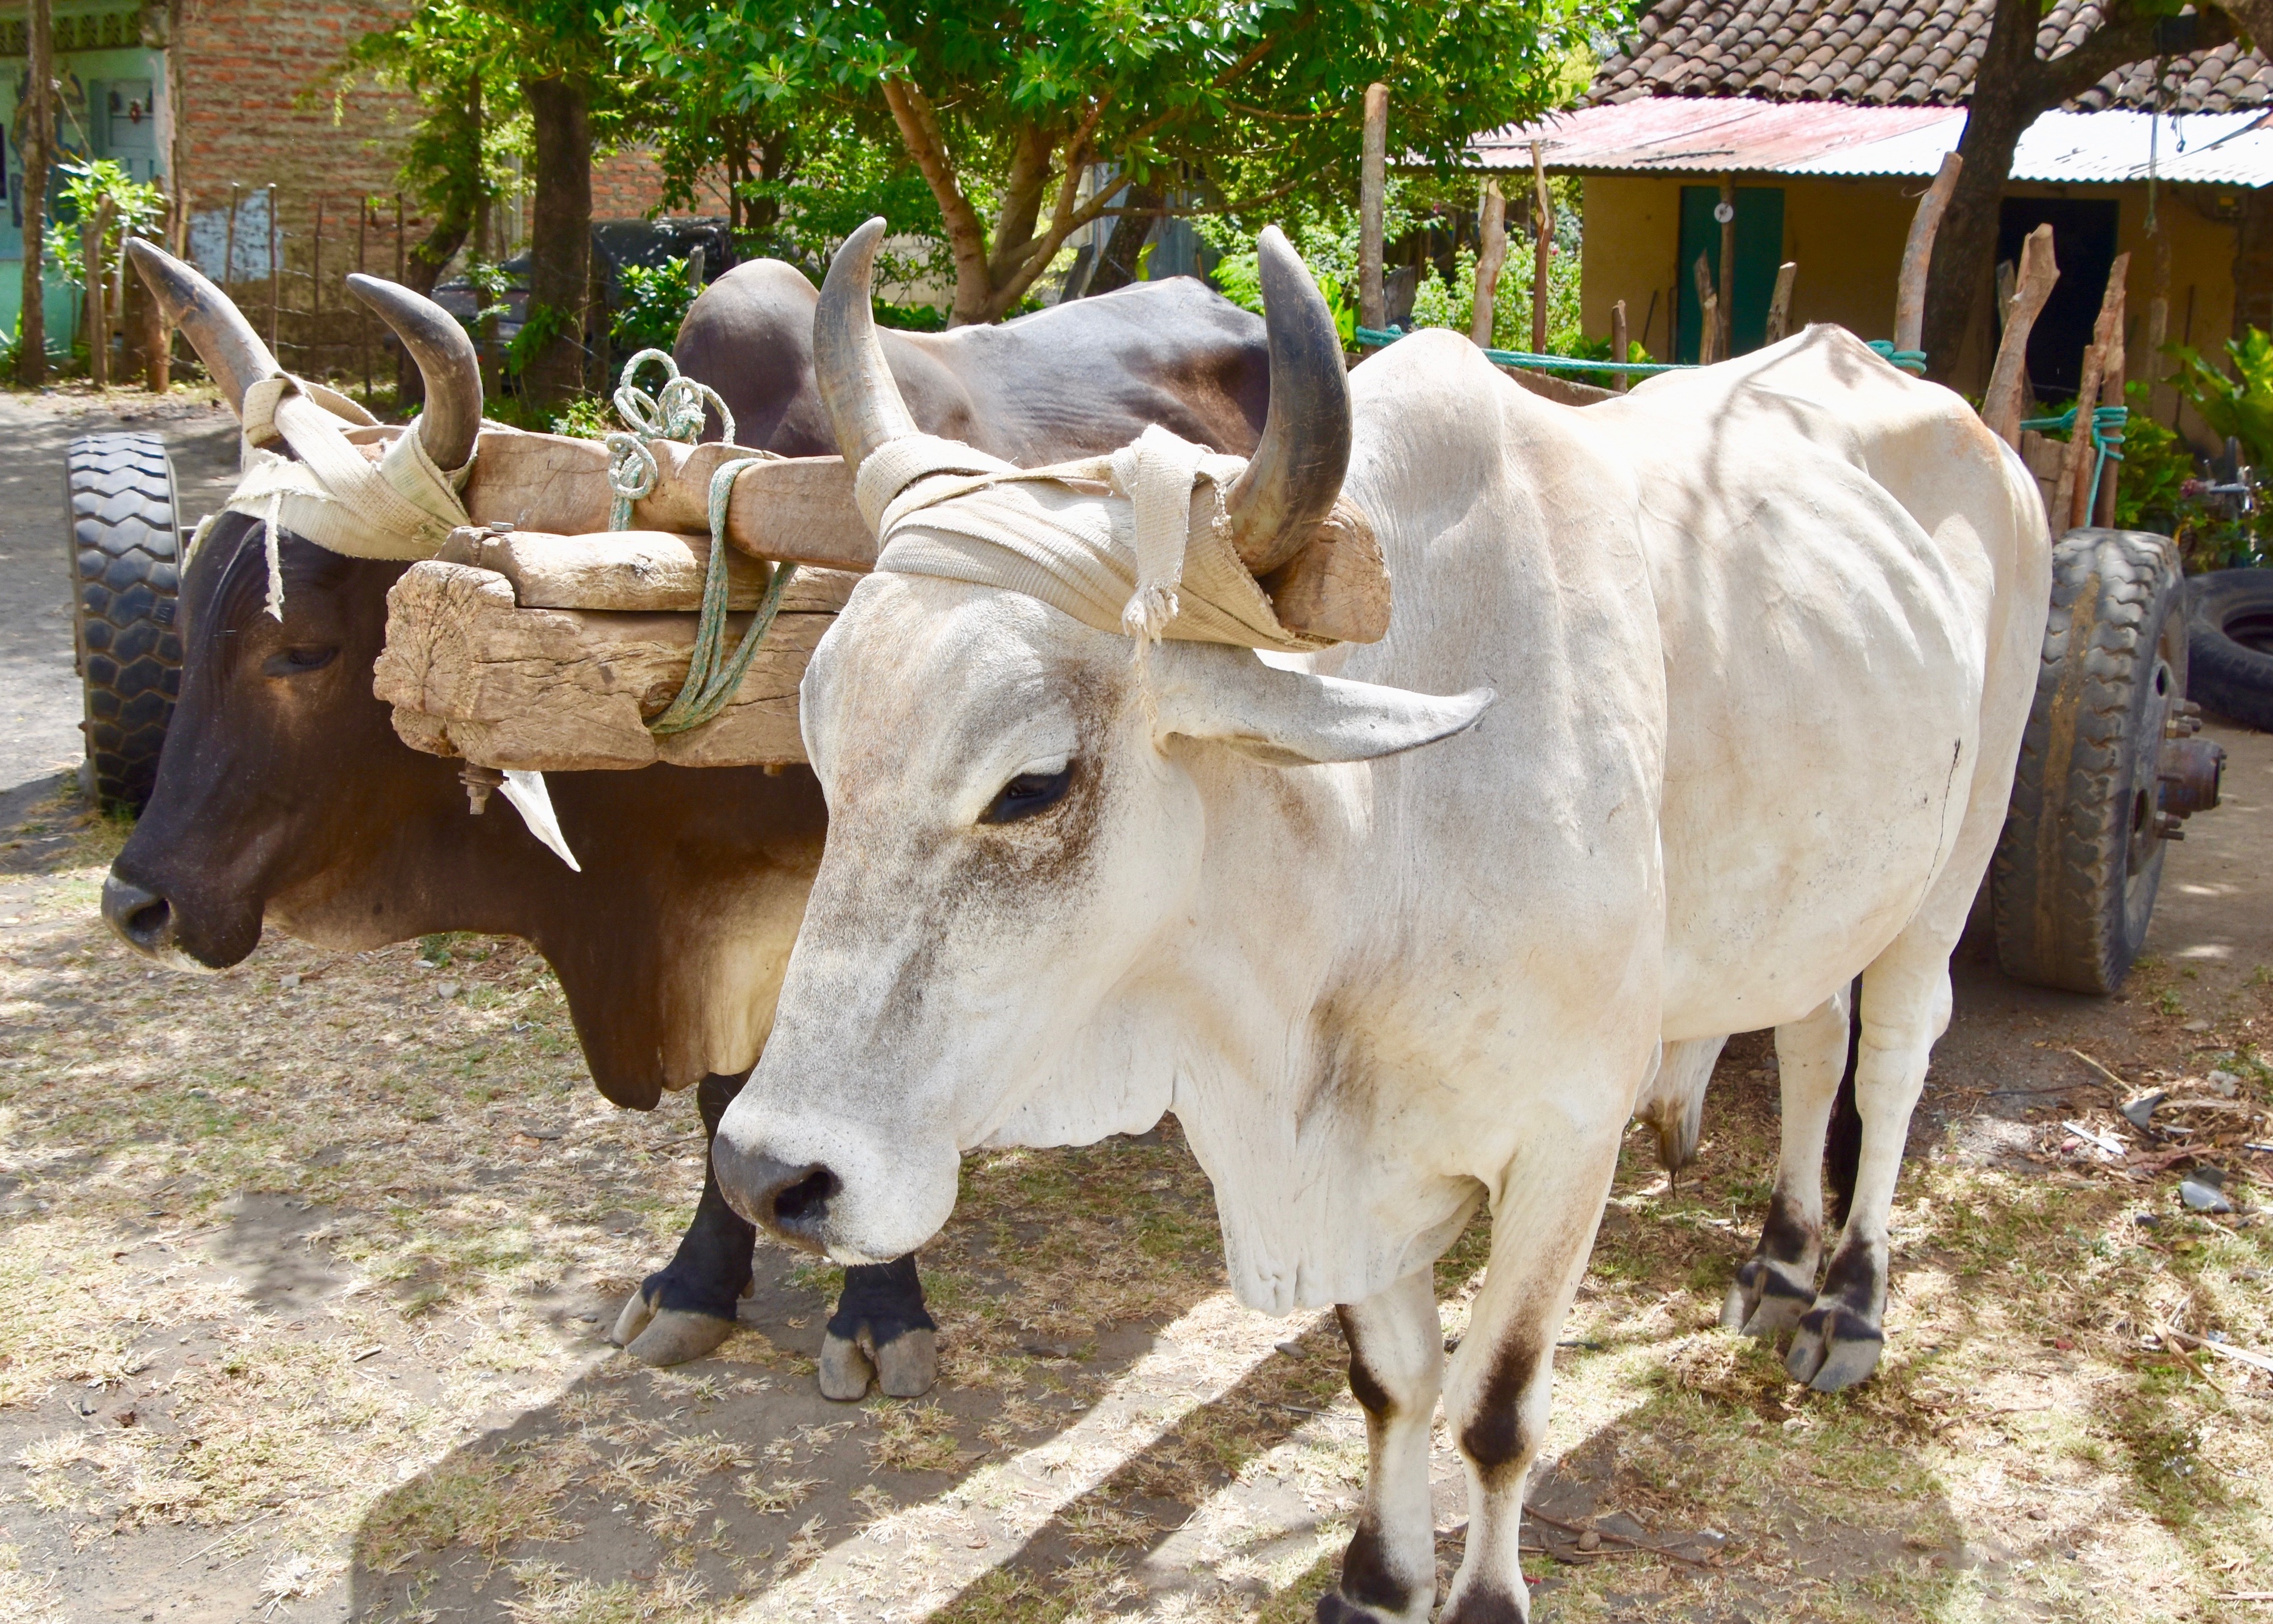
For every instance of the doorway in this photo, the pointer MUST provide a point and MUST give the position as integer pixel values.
(1759, 252)
(2084, 244)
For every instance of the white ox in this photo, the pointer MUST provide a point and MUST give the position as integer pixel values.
(1762, 638)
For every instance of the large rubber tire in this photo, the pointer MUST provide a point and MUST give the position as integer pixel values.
(126, 552)
(2230, 631)
(2073, 885)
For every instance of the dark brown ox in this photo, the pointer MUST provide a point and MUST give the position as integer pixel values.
(283, 795)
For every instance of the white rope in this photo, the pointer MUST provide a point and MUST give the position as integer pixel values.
(1128, 544)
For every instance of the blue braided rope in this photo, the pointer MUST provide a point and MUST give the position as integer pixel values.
(2107, 426)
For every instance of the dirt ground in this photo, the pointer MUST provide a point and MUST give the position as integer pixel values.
(308, 1266)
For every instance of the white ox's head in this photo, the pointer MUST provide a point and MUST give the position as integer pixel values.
(1023, 821)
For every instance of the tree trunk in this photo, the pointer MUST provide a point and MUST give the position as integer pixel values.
(1116, 265)
(1965, 246)
(422, 266)
(39, 128)
(560, 237)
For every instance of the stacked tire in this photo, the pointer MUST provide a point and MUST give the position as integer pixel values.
(2229, 624)
(125, 553)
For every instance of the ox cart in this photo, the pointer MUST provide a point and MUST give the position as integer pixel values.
(609, 606)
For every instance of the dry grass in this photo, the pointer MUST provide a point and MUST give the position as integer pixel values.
(224, 1194)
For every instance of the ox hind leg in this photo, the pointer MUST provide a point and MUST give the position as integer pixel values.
(1905, 1007)
(1776, 1285)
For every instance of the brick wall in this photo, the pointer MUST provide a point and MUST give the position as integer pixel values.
(258, 105)
(626, 184)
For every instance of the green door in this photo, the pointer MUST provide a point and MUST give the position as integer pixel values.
(1759, 252)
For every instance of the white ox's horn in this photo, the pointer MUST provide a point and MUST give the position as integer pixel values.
(451, 420)
(856, 384)
(224, 340)
(1296, 472)
(1290, 483)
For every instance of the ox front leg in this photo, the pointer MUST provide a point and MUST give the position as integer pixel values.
(1776, 1285)
(1396, 1371)
(1905, 1007)
(1498, 1392)
(882, 1309)
(684, 1310)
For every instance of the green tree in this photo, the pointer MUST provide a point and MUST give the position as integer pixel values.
(458, 61)
(1231, 103)
(2020, 77)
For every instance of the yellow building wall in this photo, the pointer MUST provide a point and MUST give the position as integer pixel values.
(1847, 237)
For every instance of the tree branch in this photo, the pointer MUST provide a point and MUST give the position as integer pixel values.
(966, 238)
(2106, 49)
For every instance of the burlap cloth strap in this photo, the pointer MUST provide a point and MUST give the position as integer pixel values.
(403, 506)
(1135, 543)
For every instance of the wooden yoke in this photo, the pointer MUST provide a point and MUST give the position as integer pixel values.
(795, 508)
(538, 638)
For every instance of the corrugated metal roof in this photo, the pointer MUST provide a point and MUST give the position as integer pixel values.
(1736, 135)
(1706, 135)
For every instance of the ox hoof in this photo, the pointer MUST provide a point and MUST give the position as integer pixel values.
(909, 1364)
(845, 1370)
(1336, 1608)
(1836, 1348)
(674, 1336)
(1767, 1298)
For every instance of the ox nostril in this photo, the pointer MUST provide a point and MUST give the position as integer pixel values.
(143, 919)
(791, 1200)
(805, 1204)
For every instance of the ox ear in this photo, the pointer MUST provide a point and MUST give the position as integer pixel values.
(1294, 719)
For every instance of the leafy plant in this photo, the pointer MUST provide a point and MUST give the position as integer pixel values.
(655, 301)
(2240, 406)
(135, 207)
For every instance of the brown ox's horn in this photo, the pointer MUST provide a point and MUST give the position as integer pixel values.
(1296, 472)
(451, 419)
(224, 340)
(864, 404)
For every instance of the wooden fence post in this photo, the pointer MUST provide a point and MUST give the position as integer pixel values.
(363, 311)
(98, 325)
(229, 242)
(1708, 313)
(2000, 406)
(2161, 398)
(1372, 190)
(1917, 256)
(2108, 336)
(1619, 345)
(2072, 497)
(1725, 333)
(275, 273)
(1489, 263)
(1542, 247)
(1779, 302)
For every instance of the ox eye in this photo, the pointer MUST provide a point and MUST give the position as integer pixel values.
(1027, 794)
(299, 661)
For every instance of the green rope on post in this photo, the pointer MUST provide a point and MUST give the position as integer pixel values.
(2107, 425)
(674, 412)
(711, 679)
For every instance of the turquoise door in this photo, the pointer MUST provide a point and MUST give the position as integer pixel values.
(1759, 252)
